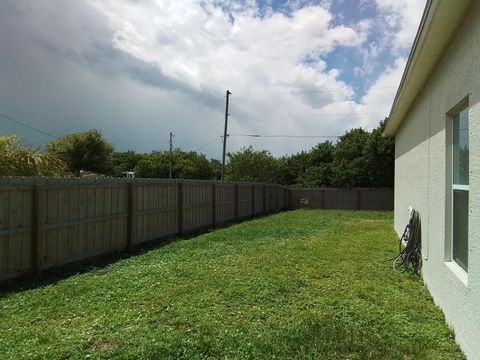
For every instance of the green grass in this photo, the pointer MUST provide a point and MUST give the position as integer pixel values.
(302, 284)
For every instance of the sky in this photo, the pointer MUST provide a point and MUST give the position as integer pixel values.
(140, 69)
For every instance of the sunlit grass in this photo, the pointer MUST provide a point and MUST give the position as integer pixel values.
(303, 284)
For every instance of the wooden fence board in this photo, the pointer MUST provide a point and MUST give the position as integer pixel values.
(225, 202)
(14, 245)
(245, 199)
(46, 222)
(349, 199)
(51, 239)
(82, 228)
(90, 240)
(258, 195)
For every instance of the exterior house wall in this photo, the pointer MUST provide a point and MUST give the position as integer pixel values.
(422, 166)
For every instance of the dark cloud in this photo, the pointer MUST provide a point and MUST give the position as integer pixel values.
(73, 65)
(60, 72)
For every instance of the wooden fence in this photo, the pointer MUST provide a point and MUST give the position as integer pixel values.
(49, 222)
(332, 198)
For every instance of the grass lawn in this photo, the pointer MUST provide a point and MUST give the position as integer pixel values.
(302, 284)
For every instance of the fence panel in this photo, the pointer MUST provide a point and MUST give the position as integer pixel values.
(377, 199)
(47, 222)
(347, 199)
(16, 227)
(156, 210)
(225, 202)
(245, 201)
(197, 206)
(270, 201)
(259, 199)
(82, 220)
(343, 199)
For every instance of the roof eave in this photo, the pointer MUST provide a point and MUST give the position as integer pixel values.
(439, 23)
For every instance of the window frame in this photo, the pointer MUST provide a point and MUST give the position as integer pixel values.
(461, 272)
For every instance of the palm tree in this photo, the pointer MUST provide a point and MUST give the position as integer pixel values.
(19, 160)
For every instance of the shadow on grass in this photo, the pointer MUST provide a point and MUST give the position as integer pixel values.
(99, 262)
(96, 263)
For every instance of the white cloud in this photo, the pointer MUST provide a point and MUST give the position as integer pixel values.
(199, 45)
(140, 69)
(380, 96)
(404, 17)
(272, 64)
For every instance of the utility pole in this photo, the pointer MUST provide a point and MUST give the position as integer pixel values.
(171, 155)
(225, 135)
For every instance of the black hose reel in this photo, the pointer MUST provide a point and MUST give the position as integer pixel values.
(410, 256)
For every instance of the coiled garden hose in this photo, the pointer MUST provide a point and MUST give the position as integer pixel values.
(410, 256)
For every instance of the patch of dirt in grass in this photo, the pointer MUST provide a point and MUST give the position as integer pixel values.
(102, 345)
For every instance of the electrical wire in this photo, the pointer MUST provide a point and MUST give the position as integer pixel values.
(27, 126)
(209, 143)
(314, 115)
(286, 136)
(294, 92)
(212, 109)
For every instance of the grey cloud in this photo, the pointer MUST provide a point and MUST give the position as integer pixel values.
(63, 76)
(60, 71)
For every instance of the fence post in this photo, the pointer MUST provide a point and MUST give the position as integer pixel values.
(131, 200)
(38, 222)
(180, 208)
(237, 202)
(253, 200)
(264, 199)
(322, 196)
(358, 198)
(277, 202)
(290, 199)
(214, 204)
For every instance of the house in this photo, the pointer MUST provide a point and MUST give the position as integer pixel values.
(435, 119)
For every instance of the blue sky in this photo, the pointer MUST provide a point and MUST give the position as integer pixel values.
(140, 69)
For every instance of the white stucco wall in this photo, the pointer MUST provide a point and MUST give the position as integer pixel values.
(421, 179)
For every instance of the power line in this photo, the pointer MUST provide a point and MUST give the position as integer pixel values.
(286, 136)
(319, 115)
(209, 143)
(212, 109)
(28, 126)
(325, 90)
(267, 136)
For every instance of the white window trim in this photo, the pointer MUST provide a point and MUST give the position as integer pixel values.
(461, 187)
(451, 264)
(458, 271)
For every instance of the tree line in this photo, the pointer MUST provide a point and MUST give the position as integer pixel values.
(358, 159)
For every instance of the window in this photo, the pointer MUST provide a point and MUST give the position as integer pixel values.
(460, 188)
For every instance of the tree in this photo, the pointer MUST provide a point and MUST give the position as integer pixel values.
(191, 165)
(380, 156)
(319, 166)
(317, 176)
(153, 165)
(350, 165)
(294, 167)
(322, 153)
(83, 151)
(18, 160)
(124, 161)
(217, 168)
(250, 165)
(186, 165)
